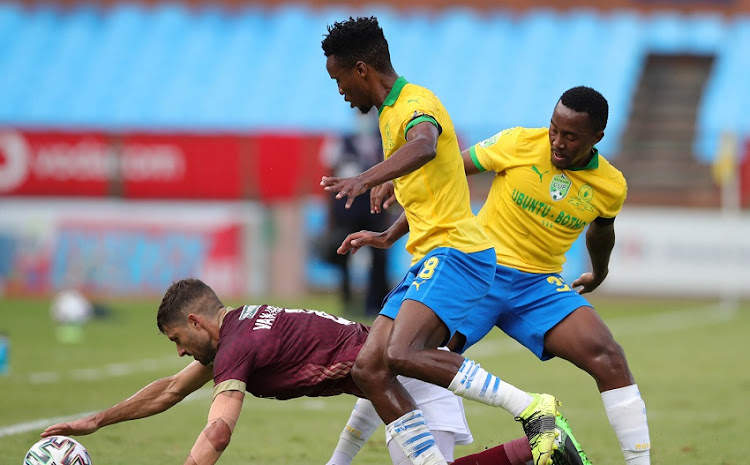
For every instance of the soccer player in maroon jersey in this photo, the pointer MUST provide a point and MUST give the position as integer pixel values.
(279, 353)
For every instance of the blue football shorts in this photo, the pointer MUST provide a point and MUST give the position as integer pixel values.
(450, 282)
(525, 306)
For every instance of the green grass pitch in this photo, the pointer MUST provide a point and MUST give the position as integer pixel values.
(689, 359)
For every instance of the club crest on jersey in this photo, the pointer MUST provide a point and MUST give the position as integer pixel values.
(559, 187)
(583, 200)
(387, 139)
(249, 311)
(490, 141)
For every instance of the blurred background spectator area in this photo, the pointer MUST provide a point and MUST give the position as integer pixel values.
(726, 6)
(146, 108)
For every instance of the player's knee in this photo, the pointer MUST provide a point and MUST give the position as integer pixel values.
(609, 364)
(359, 374)
(614, 355)
(400, 360)
(366, 371)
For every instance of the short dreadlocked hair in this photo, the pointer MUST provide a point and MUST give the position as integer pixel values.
(583, 99)
(184, 297)
(360, 39)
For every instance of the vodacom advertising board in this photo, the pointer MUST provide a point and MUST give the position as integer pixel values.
(158, 165)
(97, 164)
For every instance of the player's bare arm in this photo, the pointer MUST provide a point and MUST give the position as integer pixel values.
(420, 148)
(214, 439)
(469, 166)
(380, 240)
(152, 399)
(600, 240)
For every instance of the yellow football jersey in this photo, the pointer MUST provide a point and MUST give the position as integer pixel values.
(535, 211)
(435, 197)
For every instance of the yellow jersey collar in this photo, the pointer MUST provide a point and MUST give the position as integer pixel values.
(591, 165)
(394, 93)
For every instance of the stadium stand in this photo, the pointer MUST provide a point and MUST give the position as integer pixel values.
(258, 68)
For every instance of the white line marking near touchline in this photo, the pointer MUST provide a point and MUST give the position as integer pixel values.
(19, 428)
(110, 370)
(40, 424)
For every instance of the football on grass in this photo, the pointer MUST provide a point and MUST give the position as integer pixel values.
(57, 450)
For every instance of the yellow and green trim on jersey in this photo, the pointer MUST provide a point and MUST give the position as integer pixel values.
(435, 196)
(534, 210)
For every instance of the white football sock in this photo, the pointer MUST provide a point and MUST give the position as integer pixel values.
(446, 442)
(415, 439)
(627, 415)
(363, 421)
(473, 382)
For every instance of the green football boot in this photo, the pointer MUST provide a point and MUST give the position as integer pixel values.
(569, 450)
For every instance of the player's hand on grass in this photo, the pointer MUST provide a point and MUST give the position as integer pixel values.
(383, 196)
(587, 283)
(357, 240)
(80, 427)
(345, 187)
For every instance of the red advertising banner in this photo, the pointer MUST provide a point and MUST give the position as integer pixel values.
(181, 166)
(288, 166)
(138, 165)
(55, 163)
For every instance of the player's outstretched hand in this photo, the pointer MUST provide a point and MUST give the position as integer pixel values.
(344, 187)
(80, 427)
(357, 240)
(587, 283)
(383, 195)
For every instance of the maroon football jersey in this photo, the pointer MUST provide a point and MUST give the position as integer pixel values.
(284, 353)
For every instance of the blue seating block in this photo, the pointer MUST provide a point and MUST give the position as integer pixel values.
(169, 66)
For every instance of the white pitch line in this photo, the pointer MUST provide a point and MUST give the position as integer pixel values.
(25, 427)
(111, 370)
(38, 425)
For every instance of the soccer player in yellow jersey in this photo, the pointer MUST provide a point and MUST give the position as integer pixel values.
(453, 265)
(552, 183)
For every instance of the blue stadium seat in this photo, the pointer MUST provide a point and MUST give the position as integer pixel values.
(12, 24)
(229, 103)
(485, 77)
(103, 66)
(144, 70)
(452, 60)
(664, 32)
(65, 70)
(317, 88)
(705, 33)
(172, 67)
(723, 107)
(619, 67)
(534, 62)
(191, 69)
(26, 63)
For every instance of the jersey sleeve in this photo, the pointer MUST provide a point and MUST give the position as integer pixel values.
(616, 206)
(495, 153)
(421, 109)
(232, 367)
